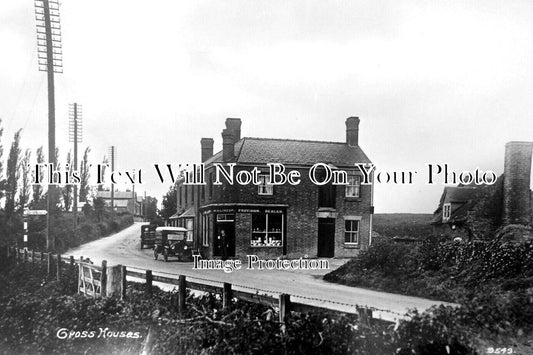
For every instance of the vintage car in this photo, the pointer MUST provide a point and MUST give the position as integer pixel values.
(148, 235)
(173, 241)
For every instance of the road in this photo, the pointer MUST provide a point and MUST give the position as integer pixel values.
(303, 286)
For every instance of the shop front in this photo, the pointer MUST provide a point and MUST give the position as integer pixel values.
(240, 230)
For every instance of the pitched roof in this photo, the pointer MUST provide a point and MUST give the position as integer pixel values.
(116, 195)
(459, 194)
(289, 151)
(461, 198)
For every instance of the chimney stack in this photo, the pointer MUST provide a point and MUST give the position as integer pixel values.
(228, 145)
(207, 148)
(516, 191)
(234, 124)
(352, 131)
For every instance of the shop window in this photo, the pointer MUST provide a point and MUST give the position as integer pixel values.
(351, 231)
(353, 189)
(264, 188)
(267, 230)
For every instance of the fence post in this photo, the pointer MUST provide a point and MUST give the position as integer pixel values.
(33, 256)
(25, 255)
(58, 267)
(71, 262)
(226, 295)
(124, 273)
(49, 263)
(284, 308)
(114, 281)
(365, 315)
(149, 282)
(181, 293)
(103, 279)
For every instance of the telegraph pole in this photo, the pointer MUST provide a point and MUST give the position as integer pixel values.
(75, 136)
(50, 60)
(113, 154)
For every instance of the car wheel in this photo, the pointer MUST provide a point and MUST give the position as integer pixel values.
(155, 254)
(165, 255)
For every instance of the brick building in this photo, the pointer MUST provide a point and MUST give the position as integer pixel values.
(282, 220)
(476, 212)
(124, 202)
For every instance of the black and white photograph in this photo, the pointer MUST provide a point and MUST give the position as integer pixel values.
(266, 177)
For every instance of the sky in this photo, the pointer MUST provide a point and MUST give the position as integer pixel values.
(433, 82)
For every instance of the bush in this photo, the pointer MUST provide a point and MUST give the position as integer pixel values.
(33, 310)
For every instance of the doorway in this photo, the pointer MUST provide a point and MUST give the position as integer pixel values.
(326, 237)
(224, 239)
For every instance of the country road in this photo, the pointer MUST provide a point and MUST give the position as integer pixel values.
(303, 286)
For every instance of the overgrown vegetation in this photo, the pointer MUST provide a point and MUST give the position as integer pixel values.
(19, 191)
(492, 281)
(35, 309)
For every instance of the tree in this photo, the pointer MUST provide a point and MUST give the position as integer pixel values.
(67, 190)
(38, 188)
(84, 176)
(2, 180)
(12, 175)
(99, 207)
(170, 202)
(105, 161)
(150, 213)
(24, 196)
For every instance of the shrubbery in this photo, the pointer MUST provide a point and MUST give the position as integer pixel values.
(66, 236)
(34, 309)
(492, 281)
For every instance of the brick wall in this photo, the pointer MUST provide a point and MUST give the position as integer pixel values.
(517, 196)
(301, 218)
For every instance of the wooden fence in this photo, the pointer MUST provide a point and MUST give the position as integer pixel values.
(102, 280)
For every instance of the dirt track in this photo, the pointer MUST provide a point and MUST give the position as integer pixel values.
(123, 248)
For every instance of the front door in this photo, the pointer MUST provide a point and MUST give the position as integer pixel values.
(326, 237)
(224, 245)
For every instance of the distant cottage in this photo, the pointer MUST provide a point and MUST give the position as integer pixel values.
(284, 220)
(476, 212)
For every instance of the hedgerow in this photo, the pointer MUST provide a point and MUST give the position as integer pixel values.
(492, 282)
(34, 310)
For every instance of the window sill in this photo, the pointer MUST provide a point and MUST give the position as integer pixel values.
(351, 246)
(353, 199)
(265, 196)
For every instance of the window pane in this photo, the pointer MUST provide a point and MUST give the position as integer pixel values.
(267, 230)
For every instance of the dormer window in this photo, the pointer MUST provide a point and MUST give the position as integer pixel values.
(446, 211)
